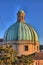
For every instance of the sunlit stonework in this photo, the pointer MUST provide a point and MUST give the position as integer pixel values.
(20, 44)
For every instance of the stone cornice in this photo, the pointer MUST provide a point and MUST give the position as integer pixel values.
(20, 42)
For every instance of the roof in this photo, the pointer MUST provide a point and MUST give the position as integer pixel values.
(20, 11)
(1, 40)
(20, 31)
(38, 56)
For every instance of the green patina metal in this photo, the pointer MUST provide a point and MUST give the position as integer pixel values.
(20, 31)
(21, 11)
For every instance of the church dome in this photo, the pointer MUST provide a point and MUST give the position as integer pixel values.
(20, 31)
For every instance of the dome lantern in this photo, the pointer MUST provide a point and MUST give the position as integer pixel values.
(20, 16)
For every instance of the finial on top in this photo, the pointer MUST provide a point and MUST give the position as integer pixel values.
(20, 16)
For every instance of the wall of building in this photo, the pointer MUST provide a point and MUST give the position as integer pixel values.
(38, 62)
(31, 49)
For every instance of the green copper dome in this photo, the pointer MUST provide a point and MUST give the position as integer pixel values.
(20, 31)
(21, 11)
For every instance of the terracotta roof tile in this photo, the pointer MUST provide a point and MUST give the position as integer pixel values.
(38, 56)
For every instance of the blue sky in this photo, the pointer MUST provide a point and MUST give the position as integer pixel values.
(32, 8)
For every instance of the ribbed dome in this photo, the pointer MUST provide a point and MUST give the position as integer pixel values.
(20, 31)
